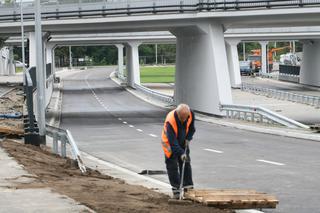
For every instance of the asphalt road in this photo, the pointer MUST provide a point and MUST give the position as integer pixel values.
(111, 124)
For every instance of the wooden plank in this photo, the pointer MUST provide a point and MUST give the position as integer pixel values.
(232, 198)
(11, 131)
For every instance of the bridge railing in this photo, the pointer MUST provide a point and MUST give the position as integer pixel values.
(282, 95)
(154, 94)
(86, 8)
(259, 115)
(65, 137)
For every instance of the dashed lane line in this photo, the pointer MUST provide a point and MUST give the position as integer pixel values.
(139, 130)
(213, 150)
(152, 135)
(271, 162)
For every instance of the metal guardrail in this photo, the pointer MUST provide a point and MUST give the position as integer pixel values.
(65, 137)
(157, 95)
(84, 8)
(281, 95)
(259, 114)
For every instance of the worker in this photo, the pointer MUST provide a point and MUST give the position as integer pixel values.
(177, 133)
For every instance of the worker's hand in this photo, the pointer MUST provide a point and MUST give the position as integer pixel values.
(183, 157)
(187, 143)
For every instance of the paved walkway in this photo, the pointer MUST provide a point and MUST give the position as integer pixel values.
(29, 200)
(16, 79)
(282, 85)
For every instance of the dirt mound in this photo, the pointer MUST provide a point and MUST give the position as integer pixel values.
(99, 192)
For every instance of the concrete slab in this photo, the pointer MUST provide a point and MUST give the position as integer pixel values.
(29, 200)
(15, 79)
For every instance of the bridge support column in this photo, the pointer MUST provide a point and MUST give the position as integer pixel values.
(133, 67)
(264, 61)
(49, 56)
(310, 67)
(120, 73)
(233, 63)
(11, 65)
(202, 77)
(32, 49)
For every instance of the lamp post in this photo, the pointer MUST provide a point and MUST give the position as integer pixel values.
(22, 41)
(40, 73)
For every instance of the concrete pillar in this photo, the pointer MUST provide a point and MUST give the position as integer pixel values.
(70, 57)
(119, 72)
(310, 67)
(11, 65)
(5, 57)
(202, 78)
(233, 63)
(49, 57)
(264, 60)
(1, 62)
(32, 50)
(133, 67)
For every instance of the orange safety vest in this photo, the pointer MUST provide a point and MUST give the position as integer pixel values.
(172, 121)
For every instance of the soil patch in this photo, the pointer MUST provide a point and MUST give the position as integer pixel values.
(11, 103)
(100, 192)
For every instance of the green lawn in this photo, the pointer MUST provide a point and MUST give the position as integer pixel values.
(19, 69)
(157, 74)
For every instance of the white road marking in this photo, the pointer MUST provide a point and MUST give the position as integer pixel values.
(139, 130)
(124, 122)
(271, 162)
(120, 119)
(131, 126)
(152, 135)
(213, 150)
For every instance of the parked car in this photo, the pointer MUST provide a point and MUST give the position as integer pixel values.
(245, 68)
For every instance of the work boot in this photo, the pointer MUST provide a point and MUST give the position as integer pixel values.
(176, 195)
(187, 188)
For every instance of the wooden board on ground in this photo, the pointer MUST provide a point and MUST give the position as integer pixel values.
(11, 131)
(232, 198)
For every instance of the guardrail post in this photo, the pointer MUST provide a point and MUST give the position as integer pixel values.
(103, 10)
(252, 117)
(300, 4)
(245, 116)
(181, 7)
(154, 11)
(128, 10)
(200, 5)
(261, 118)
(237, 5)
(208, 5)
(63, 148)
(55, 144)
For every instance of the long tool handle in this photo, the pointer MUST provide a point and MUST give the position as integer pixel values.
(182, 176)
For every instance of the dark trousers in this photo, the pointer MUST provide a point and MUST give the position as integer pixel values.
(174, 170)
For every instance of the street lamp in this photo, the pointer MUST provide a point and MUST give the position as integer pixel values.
(22, 42)
(40, 72)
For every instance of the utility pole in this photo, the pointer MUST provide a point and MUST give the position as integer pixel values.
(70, 57)
(156, 54)
(22, 41)
(244, 50)
(40, 73)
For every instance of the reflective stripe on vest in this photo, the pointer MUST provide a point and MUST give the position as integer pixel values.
(172, 121)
